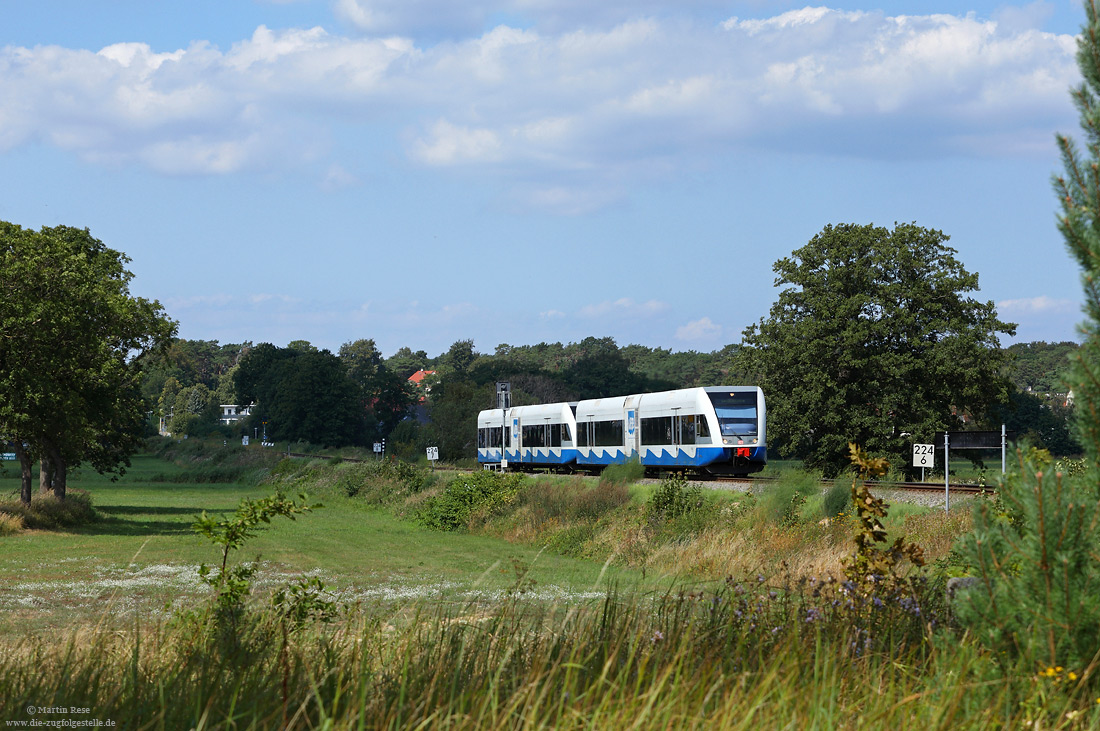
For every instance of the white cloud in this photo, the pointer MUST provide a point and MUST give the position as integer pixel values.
(702, 329)
(448, 145)
(337, 178)
(1035, 305)
(623, 307)
(566, 114)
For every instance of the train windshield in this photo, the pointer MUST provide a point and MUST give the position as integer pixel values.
(736, 413)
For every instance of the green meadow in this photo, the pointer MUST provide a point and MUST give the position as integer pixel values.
(557, 602)
(140, 557)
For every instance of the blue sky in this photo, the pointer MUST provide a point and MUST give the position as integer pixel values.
(517, 171)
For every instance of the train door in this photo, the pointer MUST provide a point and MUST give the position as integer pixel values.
(683, 433)
(677, 425)
(632, 426)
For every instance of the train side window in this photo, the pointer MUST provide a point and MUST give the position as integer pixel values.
(582, 434)
(555, 435)
(687, 429)
(657, 430)
(565, 435)
(609, 433)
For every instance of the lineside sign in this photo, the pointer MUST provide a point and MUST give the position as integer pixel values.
(924, 455)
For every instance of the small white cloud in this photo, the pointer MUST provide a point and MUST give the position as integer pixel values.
(551, 315)
(622, 307)
(338, 178)
(1035, 305)
(701, 329)
(265, 298)
(449, 144)
(183, 303)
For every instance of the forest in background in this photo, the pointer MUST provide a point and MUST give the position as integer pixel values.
(186, 385)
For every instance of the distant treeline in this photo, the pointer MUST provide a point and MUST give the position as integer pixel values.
(186, 385)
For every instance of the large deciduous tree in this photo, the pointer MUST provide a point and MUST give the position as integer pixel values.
(873, 340)
(70, 337)
(300, 395)
(386, 396)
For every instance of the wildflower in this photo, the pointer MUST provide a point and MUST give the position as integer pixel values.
(658, 635)
(773, 594)
(1072, 675)
(877, 603)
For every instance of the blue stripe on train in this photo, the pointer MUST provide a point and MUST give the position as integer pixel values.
(661, 457)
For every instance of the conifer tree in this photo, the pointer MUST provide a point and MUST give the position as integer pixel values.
(1079, 194)
(1037, 599)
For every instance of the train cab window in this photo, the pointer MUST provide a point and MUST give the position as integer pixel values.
(584, 428)
(657, 430)
(736, 413)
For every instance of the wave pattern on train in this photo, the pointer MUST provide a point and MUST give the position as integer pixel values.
(717, 430)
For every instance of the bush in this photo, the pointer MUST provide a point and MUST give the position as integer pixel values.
(10, 524)
(572, 499)
(782, 502)
(47, 512)
(837, 500)
(1038, 594)
(466, 496)
(675, 497)
(623, 474)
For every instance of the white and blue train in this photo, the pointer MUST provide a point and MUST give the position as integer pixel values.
(713, 430)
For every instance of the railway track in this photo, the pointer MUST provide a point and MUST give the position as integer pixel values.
(956, 487)
(959, 488)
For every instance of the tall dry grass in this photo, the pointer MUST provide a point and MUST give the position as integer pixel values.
(740, 657)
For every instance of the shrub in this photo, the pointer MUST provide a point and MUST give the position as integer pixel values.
(675, 497)
(47, 512)
(837, 500)
(467, 495)
(1038, 594)
(782, 502)
(10, 524)
(623, 474)
(573, 498)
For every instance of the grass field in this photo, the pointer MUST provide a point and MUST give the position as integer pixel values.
(141, 557)
(727, 612)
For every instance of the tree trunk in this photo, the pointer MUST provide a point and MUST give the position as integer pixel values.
(25, 472)
(58, 473)
(45, 474)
